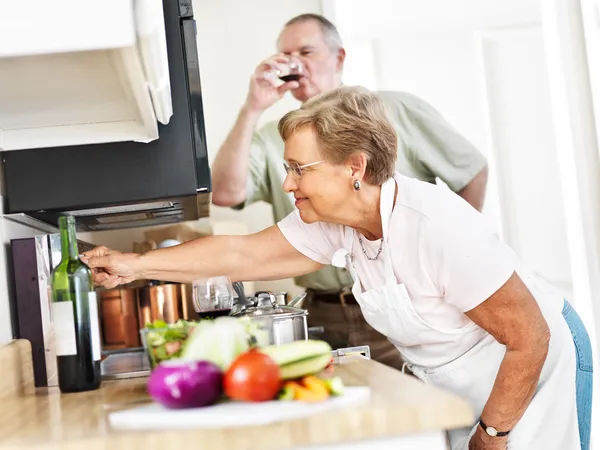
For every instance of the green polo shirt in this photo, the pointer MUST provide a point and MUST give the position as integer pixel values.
(428, 147)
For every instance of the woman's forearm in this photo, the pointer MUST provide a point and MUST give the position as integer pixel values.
(201, 258)
(266, 255)
(515, 385)
(513, 317)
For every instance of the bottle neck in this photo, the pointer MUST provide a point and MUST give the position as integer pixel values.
(68, 238)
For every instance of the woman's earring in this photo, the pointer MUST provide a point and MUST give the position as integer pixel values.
(356, 185)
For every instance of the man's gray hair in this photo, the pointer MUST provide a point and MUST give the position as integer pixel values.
(330, 32)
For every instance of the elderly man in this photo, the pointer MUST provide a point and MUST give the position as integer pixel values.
(248, 166)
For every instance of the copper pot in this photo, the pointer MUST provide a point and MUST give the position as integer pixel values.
(167, 302)
(119, 312)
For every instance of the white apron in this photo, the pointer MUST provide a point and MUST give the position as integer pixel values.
(550, 421)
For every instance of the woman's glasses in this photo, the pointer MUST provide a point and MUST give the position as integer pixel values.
(296, 168)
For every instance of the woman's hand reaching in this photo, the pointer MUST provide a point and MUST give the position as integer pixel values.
(111, 268)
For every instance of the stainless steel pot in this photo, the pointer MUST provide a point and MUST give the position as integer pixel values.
(281, 323)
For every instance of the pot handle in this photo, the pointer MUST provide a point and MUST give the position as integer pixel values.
(271, 296)
(297, 299)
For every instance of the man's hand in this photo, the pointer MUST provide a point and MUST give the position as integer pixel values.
(264, 91)
(111, 268)
(482, 441)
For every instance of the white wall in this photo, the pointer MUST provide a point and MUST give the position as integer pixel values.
(380, 18)
(573, 59)
(233, 37)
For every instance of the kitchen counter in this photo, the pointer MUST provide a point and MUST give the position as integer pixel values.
(400, 405)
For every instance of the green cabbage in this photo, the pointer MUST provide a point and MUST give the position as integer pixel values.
(221, 340)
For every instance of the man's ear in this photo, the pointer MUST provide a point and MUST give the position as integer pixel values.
(341, 58)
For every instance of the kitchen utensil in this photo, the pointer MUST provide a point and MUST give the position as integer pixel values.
(350, 355)
(281, 323)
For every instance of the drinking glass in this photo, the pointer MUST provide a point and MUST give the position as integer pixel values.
(291, 71)
(212, 294)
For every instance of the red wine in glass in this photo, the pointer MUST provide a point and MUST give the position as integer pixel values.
(213, 313)
(290, 77)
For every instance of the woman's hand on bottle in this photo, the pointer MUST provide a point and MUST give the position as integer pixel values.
(110, 268)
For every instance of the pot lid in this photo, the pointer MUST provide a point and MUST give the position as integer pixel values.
(277, 311)
(266, 306)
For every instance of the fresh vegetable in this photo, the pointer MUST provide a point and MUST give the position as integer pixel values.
(315, 385)
(335, 385)
(311, 389)
(304, 394)
(295, 351)
(160, 324)
(304, 367)
(288, 391)
(185, 384)
(253, 377)
(164, 341)
(299, 358)
(220, 341)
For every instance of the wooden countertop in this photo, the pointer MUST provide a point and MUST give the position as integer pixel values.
(399, 405)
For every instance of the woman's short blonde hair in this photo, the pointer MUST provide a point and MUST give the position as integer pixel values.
(347, 120)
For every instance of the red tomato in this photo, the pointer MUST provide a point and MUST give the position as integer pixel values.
(253, 377)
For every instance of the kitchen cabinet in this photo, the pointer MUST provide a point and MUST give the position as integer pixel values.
(74, 73)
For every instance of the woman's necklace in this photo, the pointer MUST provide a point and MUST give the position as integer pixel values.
(365, 252)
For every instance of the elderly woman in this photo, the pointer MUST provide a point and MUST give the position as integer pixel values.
(428, 273)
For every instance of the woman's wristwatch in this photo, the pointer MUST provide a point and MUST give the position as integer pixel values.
(491, 431)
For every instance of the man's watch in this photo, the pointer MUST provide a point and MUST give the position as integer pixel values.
(491, 431)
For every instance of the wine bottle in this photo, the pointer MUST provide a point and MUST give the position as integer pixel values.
(75, 317)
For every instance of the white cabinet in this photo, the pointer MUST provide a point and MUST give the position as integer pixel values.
(74, 72)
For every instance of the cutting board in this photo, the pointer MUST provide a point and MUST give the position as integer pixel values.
(232, 414)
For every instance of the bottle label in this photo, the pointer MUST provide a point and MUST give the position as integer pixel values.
(94, 327)
(64, 328)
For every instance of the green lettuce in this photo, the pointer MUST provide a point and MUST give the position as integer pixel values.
(221, 340)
